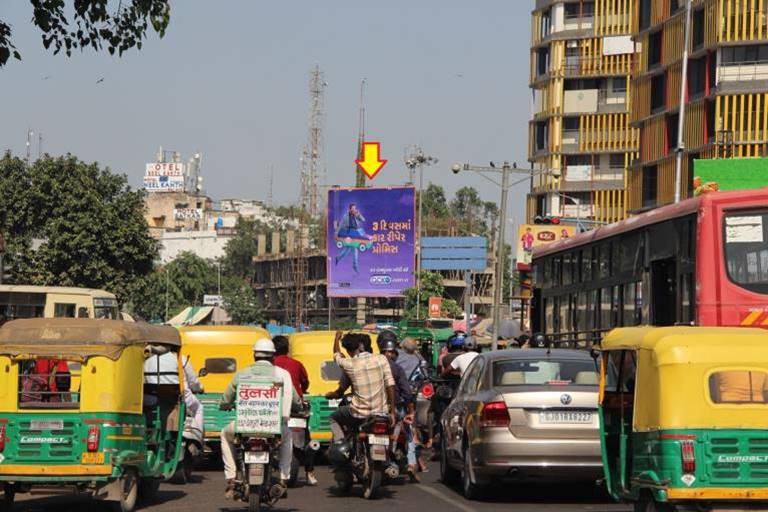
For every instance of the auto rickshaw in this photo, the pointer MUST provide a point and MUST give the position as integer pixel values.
(684, 417)
(315, 351)
(98, 434)
(217, 353)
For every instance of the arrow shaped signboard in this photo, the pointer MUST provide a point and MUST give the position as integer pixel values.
(371, 163)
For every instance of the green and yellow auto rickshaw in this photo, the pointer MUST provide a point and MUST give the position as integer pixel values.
(75, 412)
(218, 352)
(684, 417)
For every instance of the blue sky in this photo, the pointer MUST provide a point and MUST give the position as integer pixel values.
(230, 79)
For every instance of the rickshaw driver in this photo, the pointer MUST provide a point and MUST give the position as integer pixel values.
(263, 355)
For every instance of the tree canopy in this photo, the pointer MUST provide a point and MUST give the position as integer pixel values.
(90, 23)
(69, 223)
(431, 284)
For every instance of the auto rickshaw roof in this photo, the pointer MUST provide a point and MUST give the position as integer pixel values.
(222, 334)
(695, 339)
(80, 338)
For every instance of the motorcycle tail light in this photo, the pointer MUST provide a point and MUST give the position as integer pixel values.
(255, 444)
(380, 427)
(494, 415)
(688, 456)
(427, 390)
(2, 437)
(94, 433)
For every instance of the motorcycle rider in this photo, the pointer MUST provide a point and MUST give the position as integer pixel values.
(460, 363)
(263, 355)
(373, 386)
(301, 385)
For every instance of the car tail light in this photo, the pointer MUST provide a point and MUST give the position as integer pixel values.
(427, 390)
(688, 456)
(380, 427)
(94, 433)
(494, 415)
(2, 437)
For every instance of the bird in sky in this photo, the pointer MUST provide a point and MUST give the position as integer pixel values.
(46, 77)
(100, 80)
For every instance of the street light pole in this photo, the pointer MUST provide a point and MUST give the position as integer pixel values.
(681, 115)
(500, 256)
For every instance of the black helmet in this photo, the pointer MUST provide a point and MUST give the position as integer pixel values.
(386, 337)
(387, 345)
(538, 340)
(339, 453)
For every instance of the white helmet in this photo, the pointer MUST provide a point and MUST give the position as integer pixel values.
(264, 346)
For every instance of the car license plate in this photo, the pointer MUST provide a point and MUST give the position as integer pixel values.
(46, 425)
(256, 457)
(297, 423)
(563, 417)
(92, 458)
(334, 402)
(378, 440)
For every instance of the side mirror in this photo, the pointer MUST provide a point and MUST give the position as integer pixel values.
(203, 372)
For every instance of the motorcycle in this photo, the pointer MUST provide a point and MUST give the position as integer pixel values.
(363, 456)
(303, 446)
(258, 472)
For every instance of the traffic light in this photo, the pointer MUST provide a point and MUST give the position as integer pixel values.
(546, 219)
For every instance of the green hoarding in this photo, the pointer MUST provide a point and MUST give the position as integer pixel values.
(730, 174)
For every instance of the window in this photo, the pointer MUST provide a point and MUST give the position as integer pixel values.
(542, 136)
(630, 254)
(746, 250)
(687, 298)
(616, 160)
(621, 371)
(604, 261)
(567, 269)
(557, 271)
(21, 305)
(697, 28)
(658, 92)
(645, 14)
(697, 77)
(650, 176)
(571, 123)
(674, 5)
(106, 308)
(628, 312)
(744, 54)
(542, 61)
(46, 384)
(579, 10)
(581, 84)
(654, 49)
(61, 310)
(220, 365)
(586, 265)
(672, 125)
(619, 84)
(545, 372)
(471, 378)
(739, 387)
(606, 309)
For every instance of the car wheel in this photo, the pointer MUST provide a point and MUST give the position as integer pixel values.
(448, 475)
(470, 489)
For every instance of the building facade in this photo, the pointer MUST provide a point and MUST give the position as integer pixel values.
(581, 143)
(726, 97)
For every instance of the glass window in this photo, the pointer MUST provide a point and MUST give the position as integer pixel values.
(604, 261)
(630, 254)
(557, 271)
(62, 310)
(46, 384)
(629, 305)
(606, 308)
(739, 387)
(582, 310)
(220, 365)
(621, 371)
(567, 269)
(548, 315)
(638, 303)
(471, 378)
(686, 297)
(586, 265)
(745, 247)
(545, 372)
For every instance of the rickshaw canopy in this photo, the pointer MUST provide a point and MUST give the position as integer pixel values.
(696, 377)
(79, 338)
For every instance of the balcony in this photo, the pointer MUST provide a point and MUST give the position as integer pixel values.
(571, 139)
(586, 178)
(572, 22)
(743, 71)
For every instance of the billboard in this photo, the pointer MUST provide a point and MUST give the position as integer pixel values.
(371, 234)
(164, 177)
(729, 174)
(534, 235)
(435, 307)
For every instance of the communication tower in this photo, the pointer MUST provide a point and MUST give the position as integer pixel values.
(313, 154)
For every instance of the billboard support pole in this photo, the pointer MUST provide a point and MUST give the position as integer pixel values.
(468, 301)
(499, 278)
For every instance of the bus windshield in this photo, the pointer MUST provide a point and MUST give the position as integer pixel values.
(746, 250)
(106, 308)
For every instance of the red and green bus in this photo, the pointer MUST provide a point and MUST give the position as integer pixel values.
(703, 261)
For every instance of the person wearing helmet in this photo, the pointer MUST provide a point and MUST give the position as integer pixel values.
(460, 363)
(454, 347)
(263, 355)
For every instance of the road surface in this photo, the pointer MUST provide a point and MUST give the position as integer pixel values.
(431, 495)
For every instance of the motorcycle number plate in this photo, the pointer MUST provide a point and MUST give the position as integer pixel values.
(256, 474)
(378, 453)
(334, 402)
(378, 440)
(297, 423)
(256, 457)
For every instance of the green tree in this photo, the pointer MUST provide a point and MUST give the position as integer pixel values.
(431, 285)
(90, 23)
(433, 202)
(69, 223)
(241, 304)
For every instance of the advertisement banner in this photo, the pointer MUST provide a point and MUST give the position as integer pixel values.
(188, 213)
(729, 174)
(164, 177)
(534, 235)
(259, 407)
(435, 307)
(371, 235)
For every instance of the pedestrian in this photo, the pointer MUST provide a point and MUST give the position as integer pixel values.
(300, 381)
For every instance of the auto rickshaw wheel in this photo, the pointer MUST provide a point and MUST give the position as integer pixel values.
(648, 504)
(9, 496)
(148, 488)
(129, 491)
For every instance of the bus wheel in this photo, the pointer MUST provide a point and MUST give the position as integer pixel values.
(129, 491)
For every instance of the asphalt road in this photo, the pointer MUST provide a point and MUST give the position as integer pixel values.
(206, 494)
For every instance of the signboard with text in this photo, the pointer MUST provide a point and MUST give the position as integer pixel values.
(435, 307)
(187, 213)
(259, 407)
(164, 177)
(371, 233)
(534, 235)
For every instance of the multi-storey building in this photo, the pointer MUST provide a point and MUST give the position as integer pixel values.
(726, 97)
(580, 139)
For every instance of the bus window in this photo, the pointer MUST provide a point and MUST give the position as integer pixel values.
(604, 261)
(22, 305)
(586, 265)
(106, 308)
(64, 310)
(745, 250)
(567, 269)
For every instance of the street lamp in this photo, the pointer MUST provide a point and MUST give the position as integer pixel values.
(505, 170)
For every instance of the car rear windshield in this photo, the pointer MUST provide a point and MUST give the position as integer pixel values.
(49, 384)
(527, 372)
